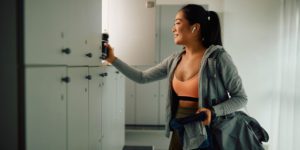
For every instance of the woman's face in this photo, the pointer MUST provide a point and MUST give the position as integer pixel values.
(182, 30)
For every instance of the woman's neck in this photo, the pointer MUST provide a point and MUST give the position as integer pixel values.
(194, 49)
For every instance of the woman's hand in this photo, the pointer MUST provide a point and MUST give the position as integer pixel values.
(208, 115)
(111, 56)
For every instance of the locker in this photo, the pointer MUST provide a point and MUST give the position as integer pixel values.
(165, 40)
(147, 102)
(95, 107)
(163, 92)
(83, 31)
(94, 29)
(63, 32)
(77, 108)
(113, 123)
(76, 31)
(130, 112)
(44, 32)
(108, 115)
(120, 110)
(46, 116)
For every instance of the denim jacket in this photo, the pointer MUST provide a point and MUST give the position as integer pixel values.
(227, 78)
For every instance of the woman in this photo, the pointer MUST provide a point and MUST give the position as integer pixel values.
(189, 92)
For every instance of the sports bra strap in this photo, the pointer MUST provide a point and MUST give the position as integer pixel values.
(187, 98)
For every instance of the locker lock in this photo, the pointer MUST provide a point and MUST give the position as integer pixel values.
(103, 74)
(89, 55)
(66, 50)
(65, 79)
(89, 77)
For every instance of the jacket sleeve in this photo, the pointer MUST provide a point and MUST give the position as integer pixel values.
(154, 73)
(233, 84)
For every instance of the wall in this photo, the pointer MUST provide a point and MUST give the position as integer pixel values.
(297, 106)
(216, 5)
(251, 36)
(132, 30)
(9, 117)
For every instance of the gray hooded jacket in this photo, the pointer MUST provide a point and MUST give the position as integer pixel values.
(227, 78)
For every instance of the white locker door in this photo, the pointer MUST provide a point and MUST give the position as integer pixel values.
(163, 90)
(78, 113)
(94, 28)
(95, 93)
(165, 15)
(83, 32)
(130, 102)
(44, 31)
(46, 116)
(109, 94)
(120, 109)
(147, 108)
(76, 31)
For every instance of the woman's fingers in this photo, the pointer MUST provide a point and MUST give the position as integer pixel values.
(111, 56)
(207, 120)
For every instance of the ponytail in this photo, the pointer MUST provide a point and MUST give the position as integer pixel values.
(211, 35)
(209, 21)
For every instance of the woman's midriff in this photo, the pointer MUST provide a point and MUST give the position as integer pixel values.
(187, 92)
(185, 104)
(186, 109)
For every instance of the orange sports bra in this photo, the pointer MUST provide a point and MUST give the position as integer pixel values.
(186, 90)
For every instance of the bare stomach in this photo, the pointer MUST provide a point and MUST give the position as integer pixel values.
(188, 104)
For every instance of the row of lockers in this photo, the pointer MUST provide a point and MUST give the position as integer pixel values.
(74, 108)
(70, 105)
(63, 32)
(145, 103)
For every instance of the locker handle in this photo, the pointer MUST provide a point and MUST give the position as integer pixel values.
(89, 55)
(66, 50)
(103, 74)
(89, 77)
(65, 79)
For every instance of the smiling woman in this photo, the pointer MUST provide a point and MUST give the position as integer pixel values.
(251, 34)
(198, 31)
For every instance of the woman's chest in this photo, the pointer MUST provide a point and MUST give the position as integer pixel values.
(187, 69)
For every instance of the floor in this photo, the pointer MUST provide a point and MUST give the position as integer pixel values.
(139, 136)
(147, 137)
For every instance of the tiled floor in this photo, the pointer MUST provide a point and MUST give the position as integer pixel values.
(146, 137)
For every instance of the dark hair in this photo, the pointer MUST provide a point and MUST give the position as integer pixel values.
(209, 21)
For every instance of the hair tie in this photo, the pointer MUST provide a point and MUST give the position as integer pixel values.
(208, 15)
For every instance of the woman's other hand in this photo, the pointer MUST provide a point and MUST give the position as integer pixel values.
(111, 56)
(207, 111)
